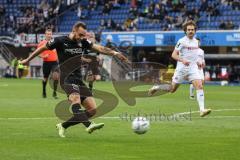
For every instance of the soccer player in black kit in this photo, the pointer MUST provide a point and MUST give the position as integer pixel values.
(93, 72)
(70, 50)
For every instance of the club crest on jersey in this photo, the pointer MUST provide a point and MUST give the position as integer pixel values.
(190, 47)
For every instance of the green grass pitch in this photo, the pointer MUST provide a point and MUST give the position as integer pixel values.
(27, 127)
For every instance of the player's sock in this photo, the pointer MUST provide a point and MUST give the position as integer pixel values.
(90, 85)
(191, 91)
(200, 99)
(44, 83)
(55, 84)
(164, 88)
(79, 116)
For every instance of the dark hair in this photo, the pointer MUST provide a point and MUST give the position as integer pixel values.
(79, 24)
(48, 30)
(189, 23)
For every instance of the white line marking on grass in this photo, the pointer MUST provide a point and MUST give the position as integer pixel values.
(115, 117)
(27, 118)
(216, 117)
(110, 117)
(40, 118)
(3, 85)
(217, 110)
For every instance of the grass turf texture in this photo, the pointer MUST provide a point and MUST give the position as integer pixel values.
(215, 137)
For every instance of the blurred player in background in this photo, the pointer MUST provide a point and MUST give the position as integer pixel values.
(20, 69)
(72, 47)
(201, 64)
(188, 68)
(93, 73)
(50, 64)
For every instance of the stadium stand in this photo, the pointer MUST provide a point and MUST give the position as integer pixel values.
(33, 16)
(26, 16)
(142, 15)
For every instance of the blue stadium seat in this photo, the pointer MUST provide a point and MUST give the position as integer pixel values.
(120, 15)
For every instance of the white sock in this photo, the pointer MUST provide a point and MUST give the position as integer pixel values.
(163, 87)
(191, 91)
(200, 99)
(157, 87)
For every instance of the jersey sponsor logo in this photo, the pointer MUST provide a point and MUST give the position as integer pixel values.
(74, 51)
(190, 48)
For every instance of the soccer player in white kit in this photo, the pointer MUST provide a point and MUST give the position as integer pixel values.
(188, 68)
(201, 64)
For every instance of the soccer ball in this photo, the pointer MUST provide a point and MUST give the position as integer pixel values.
(140, 125)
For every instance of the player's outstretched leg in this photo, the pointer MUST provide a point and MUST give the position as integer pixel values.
(79, 116)
(90, 106)
(159, 87)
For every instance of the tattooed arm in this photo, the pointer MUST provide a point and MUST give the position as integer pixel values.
(34, 54)
(108, 51)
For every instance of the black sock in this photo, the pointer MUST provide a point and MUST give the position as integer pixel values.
(44, 83)
(79, 116)
(90, 85)
(55, 84)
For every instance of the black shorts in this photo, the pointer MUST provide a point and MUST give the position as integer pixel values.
(49, 67)
(77, 86)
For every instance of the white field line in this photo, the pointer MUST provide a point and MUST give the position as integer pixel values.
(217, 110)
(3, 85)
(116, 117)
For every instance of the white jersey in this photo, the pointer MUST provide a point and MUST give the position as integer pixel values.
(190, 51)
(187, 50)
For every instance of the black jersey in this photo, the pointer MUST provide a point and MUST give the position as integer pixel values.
(69, 54)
